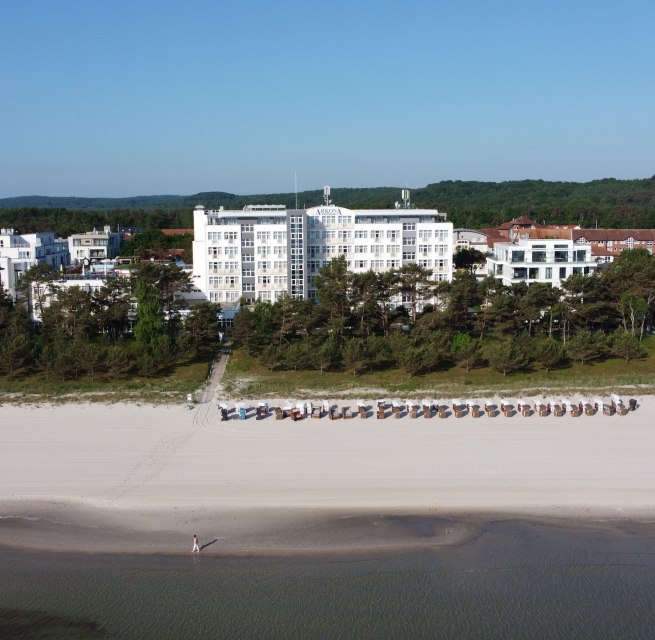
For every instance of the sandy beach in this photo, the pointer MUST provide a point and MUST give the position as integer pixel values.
(143, 479)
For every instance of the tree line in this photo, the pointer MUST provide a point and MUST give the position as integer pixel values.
(355, 325)
(130, 326)
(605, 203)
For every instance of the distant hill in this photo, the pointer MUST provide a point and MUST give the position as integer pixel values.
(608, 203)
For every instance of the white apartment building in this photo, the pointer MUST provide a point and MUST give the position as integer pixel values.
(94, 245)
(264, 251)
(20, 252)
(537, 260)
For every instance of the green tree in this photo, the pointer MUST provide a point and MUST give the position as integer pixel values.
(466, 351)
(149, 327)
(355, 355)
(586, 345)
(202, 326)
(507, 356)
(548, 352)
(333, 288)
(626, 345)
(414, 285)
(468, 259)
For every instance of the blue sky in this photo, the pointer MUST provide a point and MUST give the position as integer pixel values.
(150, 97)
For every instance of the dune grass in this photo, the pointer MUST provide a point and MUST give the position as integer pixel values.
(245, 377)
(172, 386)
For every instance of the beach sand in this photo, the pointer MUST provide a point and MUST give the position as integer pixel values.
(120, 478)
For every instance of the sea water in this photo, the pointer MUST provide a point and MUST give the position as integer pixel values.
(515, 580)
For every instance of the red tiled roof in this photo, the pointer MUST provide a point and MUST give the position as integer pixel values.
(176, 232)
(521, 221)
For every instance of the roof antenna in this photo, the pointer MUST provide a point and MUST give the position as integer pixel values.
(404, 196)
(326, 196)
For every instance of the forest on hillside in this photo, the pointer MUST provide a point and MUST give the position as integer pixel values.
(604, 203)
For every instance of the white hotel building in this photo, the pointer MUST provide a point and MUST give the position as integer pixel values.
(264, 251)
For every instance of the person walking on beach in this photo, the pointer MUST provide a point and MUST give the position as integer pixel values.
(195, 544)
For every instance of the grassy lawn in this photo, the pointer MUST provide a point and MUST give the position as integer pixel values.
(245, 377)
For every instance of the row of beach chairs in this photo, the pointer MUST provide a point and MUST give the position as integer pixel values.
(434, 408)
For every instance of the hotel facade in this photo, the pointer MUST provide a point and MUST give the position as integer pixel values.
(265, 251)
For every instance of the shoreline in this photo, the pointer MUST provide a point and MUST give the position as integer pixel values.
(59, 528)
(120, 478)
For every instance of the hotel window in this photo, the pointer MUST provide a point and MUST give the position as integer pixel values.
(410, 242)
(360, 234)
(409, 255)
(248, 286)
(265, 295)
(562, 273)
(393, 264)
(393, 249)
(344, 235)
(262, 266)
(232, 266)
(230, 236)
(246, 228)
(214, 267)
(392, 234)
(248, 257)
(377, 265)
(425, 234)
(360, 264)
(280, 264)
(441, 234)
(279, 235)
(360, 248)
(247, 242)
(214, 236)
(409, 226)
(263, 279)
(344, 248)
(263, 235)
(215, 281)
(231, 281)
(263, 250)
(425, 263)
(330, 250)
(248, 273)
(376, 234)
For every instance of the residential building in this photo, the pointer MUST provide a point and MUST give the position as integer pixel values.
(606, 244)
(265, 251)
(20, 252)
(93, 246)
(539, 260)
